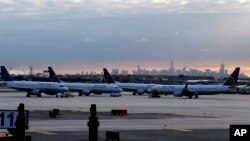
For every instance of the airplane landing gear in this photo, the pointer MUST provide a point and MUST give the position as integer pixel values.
(115, 94)
(196, 96)
(134, 93)
(28, 95)
(61, 95)
(80, 94)
(190, 96)
(154, 95)
(39, 95)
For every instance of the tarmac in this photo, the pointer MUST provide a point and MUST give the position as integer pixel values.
(155, 119)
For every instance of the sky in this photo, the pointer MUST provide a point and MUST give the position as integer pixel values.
(83, 35)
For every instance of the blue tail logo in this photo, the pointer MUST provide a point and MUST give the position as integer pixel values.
(232, 80)
(107, 77)
(5, 74)
(52, 76)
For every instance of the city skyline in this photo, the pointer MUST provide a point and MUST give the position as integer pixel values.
(218, 72)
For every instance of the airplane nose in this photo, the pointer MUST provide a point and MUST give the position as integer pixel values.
(66, 89)
(120, 89)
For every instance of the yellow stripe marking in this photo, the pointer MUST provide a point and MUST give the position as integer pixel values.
(74, 110)
(43, 132)
(177, 129)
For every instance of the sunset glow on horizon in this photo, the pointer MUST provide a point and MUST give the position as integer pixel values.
(98, 70)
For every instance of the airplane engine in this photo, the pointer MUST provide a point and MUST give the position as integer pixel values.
(178, 94)
(34, 92)
(140, 92)
(86, 92)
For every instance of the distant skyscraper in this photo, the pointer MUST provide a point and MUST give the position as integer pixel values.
(184, 70)
(45, 73)
(115, 72)
(172, 69)
(207, 72)
(31, 71)
(124, 72)
(226, 72)
(222, 70)
(138, 68)
(172, 64)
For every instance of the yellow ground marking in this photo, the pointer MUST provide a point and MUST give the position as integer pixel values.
(43, 132)
(74, 110)
(177, 129)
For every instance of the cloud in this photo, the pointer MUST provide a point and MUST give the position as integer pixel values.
(7, 2)
(243, 1)
(221, 2)
(161, 1)
(88, 40)
(8, 9)
(142, 40)
(97, 8)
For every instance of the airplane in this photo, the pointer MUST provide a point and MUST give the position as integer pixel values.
(195, 90)
(31, 87)
(86, 88)
(136, 88)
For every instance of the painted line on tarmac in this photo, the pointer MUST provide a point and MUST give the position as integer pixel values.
(177, 129)
(43, 132)
(74, 110)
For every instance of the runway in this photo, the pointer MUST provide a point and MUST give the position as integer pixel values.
(141, 135)
(151, 115)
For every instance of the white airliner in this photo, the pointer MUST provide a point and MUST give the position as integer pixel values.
(32, 88)
(139, 88)
(195, 90)
(87, 88)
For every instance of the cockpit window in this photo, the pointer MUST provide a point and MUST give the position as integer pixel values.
(62, 86)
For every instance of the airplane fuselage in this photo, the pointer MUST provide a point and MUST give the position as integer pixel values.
(41, 87)
(135, 87)
(197, 89)
(88, 88)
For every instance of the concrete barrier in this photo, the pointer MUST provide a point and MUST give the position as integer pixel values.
(56, 111)
(112, 136)
(52, 114)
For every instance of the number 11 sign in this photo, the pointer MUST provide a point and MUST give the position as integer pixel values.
(8, 118)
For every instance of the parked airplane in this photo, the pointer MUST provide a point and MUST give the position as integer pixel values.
(87, 88)
(136, 88)
(195, 90)
(32, 88)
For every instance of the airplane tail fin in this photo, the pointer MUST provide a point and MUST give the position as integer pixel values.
(5, 74)
(52, 76)
(232, 80)
(186, 86)
(107, 77)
